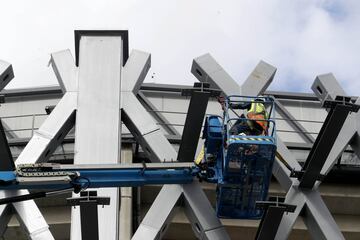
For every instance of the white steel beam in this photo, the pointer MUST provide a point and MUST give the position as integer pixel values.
(318, 219)
(258, 80)
(206, 69)
(65, 70)
(135, 70)
(31, 219)
(160, 214)
(204, 223)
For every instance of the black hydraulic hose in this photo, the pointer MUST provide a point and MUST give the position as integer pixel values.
(22, 198)
(32, 196)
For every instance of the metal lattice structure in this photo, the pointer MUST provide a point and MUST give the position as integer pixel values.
(103, 55)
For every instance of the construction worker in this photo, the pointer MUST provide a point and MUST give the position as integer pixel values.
(256, 111)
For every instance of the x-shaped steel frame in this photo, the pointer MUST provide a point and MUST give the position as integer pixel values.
(318, 218)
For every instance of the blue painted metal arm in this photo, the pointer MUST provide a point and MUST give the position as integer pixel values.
(94, 178)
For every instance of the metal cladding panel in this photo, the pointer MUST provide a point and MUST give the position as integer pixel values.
(206, 69)
(65, 70)
(326, 87)
(52, 131)
(135, 70)
(159, 216)
(258, 80)
(98, 123)
(6, 74)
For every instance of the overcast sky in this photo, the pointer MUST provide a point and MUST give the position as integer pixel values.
(301, 38)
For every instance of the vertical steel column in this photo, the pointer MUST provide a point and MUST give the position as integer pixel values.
(88, 202)
(194, 119)
(98, 123)
(274, 211)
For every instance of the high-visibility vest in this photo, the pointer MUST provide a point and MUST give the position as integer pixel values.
(258, 111)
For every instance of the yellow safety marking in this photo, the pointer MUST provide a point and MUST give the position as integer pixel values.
(200, 157)
(251, 139)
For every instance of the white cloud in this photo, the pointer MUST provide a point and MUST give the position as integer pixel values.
(301, 38)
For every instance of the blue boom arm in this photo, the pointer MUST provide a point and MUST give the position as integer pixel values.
(53, 177)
